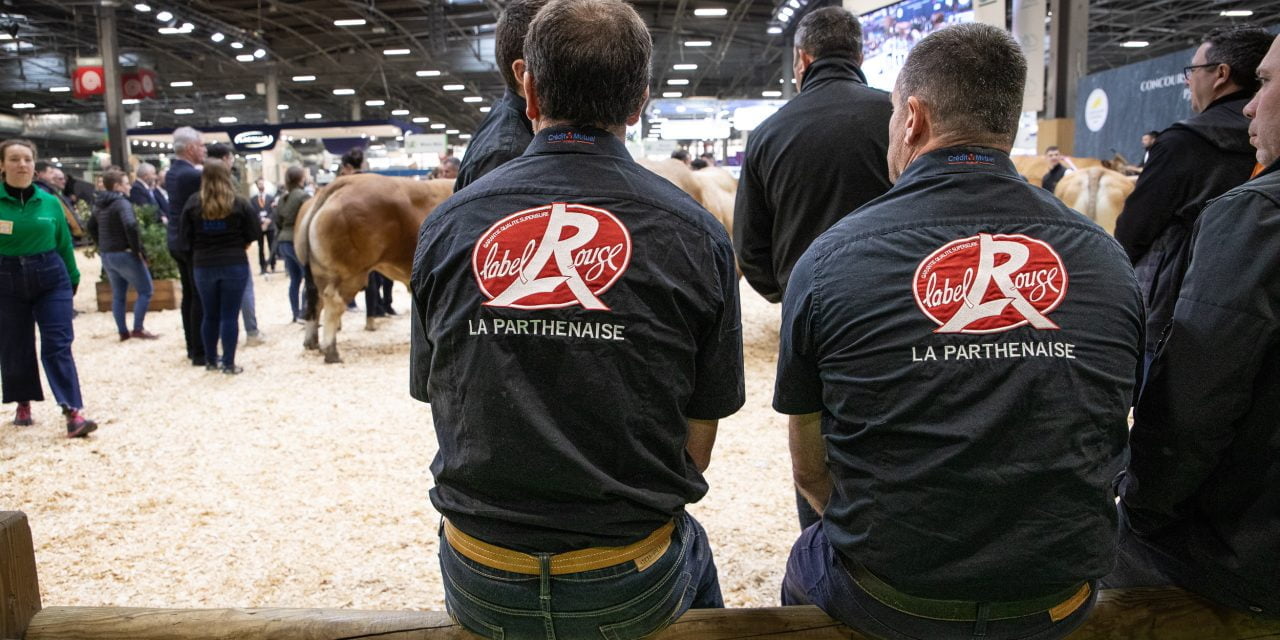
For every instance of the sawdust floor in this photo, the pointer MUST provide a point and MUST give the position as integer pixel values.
(300, 484)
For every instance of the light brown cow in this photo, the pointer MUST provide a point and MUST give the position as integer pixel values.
(713, 187)
(359, 223)
(1097, 193)
(1033, 168)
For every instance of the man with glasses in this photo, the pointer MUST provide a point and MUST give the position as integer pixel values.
(1192, 162)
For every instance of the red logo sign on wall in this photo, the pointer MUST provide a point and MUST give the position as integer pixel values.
(139, 84)
(557, 255)
(990, 283)
(88, 81)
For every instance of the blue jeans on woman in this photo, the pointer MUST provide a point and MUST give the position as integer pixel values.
(35, 290)
(613, 603)
(294, 267)
(221, 291)
(124, 269)
(816, 574)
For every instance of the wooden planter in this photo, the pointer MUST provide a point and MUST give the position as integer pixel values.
(166, 295)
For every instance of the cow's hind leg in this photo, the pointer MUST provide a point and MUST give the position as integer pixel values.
(315, 305)
(333, 307)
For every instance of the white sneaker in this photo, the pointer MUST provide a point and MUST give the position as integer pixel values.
(254, 340)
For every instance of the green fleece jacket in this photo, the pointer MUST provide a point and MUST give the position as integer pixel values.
(34, 223)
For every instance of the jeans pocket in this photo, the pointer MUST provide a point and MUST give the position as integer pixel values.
(658, 610)
(52, 276)
(462, 613)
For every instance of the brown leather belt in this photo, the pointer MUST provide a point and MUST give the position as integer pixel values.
(644, 553)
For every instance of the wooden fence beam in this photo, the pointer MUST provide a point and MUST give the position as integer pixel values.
(19, 589)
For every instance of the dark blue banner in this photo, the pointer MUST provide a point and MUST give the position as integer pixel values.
(1115, 107)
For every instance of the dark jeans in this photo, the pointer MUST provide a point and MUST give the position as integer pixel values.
(294, 268)
(192, 310)
(35, 290)
(1158, 563)
(614, 603)
(221, 291)
(267, 249)
(816, 575)
(125, 269)
(377, 294)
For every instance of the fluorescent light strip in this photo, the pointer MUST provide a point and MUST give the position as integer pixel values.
(486, 109)
(678, 82)
(282, 107)
(245, 57)
(684, 67)
(771, 94)
(672, 94)
(374, 103)
(344, 92)
(711, 13)
(352, 22)
(181, 83)
(183, 112)
(473, 99)
(396, 52)
(452, 132)
(235, 96)
(304, 78)
(421, 119)
(697, 43)
(438, 125)
(23, 105)
(313, 116)
(59, 89)
(227, 119)
(454, 87)
(427, 73)
(142, 8)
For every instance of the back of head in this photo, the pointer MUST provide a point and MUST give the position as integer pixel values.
(1242, 49)
(184, 137)
(146, 169)
(42, 166)
(353, 158)
(113, 177)
(589, 60)
(293, 178)
(830, 31)
(219, 151)
(217, 193)
(508, 39)
(971, 78)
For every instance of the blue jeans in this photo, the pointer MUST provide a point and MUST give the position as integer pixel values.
(614, 603)
(35, 290)
(294, 268)
(248, 310)
(817, 575)
(221, 291)
(125, 269)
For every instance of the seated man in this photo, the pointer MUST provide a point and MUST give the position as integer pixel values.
(576, 330)
(1201, 499)
(957, 358)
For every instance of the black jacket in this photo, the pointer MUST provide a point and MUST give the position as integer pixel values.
(503, 136)
(140, 194)
(113, 225)
(181, 182)
(1191, 163)
(1204, 481)
(815, 160)
(220, 242)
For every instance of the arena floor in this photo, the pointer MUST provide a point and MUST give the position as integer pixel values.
(300, 484)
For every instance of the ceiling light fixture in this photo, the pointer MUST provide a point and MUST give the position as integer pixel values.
(142, 8)
(486, 109)
(282, 107)
(1134, 44)
(144, 123)
(771, 94)
(259, 53)
(427, 73)
(374, 103)
(130, 101)
(237, 45)
(1236, 13)
(227, 119)
(59, 89)
(465, 136)
(344, 92)
(678, 82)
(183, 112)
(399, 112)
(773, 30)
(684, 67)
(473, 99)
(312, 116)
(235, 96)
(438, 125)
(672, 94)
(711, 13)
(697, 43)
(181, 83)
(421, 119)
(245, 57)
(23, 105)
(164, 16)
(304, 78)
(454, 87)
(452, 132)
(353, 22)
(217, 37)
(396, 52)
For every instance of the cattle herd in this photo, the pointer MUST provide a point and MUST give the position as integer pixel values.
(367, 222)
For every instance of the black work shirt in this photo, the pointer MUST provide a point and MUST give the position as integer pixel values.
(502, 137)
(971, 343)
(815, 160)
(221, 242)
(571, 311)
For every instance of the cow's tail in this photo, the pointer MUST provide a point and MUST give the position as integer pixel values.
(1091, 199)
(302, 246)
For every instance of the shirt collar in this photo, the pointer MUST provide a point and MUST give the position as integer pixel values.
(514, 102)
(831, 68)
(959, 160)
(577, 139)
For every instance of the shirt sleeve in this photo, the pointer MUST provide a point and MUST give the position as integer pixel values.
(132, 234)
(1160, 191)
(1203, 378)
(798, 385)
(753, 230)
(719, 387)
(252, 228)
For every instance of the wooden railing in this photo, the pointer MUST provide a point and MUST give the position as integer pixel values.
(1138, 614)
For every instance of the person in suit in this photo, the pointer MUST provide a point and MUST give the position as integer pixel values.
(262, 203)
(141, 193)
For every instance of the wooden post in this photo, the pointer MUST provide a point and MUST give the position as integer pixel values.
(19, 589)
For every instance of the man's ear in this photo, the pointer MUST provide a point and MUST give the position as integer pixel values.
(517, 70)
(635, 117)
(531, 110)
(918, 122)
(1221, 75)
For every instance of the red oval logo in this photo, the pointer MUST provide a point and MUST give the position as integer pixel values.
(557, 255)
(990, 283)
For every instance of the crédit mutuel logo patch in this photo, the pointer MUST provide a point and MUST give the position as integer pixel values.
(557, 255)
(990, 283)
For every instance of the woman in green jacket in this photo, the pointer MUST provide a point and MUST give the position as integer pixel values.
(286, 214)
(38, 278)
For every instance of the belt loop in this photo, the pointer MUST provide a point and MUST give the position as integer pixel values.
(980, 619)
(544, 593)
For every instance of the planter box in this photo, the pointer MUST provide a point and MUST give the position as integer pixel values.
(166, 295)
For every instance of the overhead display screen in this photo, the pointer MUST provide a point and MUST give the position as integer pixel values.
(889, 33)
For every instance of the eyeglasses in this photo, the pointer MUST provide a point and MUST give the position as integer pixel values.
(1186, 71)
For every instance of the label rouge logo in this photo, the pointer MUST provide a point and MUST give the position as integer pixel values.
(552, 256)
(990, 283)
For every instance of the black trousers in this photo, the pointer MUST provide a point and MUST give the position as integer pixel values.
(192, 311)
(267, 249)
(377, 295)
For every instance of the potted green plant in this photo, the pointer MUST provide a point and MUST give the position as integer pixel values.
(164, 271)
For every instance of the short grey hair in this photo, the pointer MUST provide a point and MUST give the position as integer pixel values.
(146, 169)
(971, 76)
(184, 137)
(830, 31)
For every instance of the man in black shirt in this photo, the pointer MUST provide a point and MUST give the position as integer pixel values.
(1057, 169)
(1191, 163)
(957, 359)
(816, 159)
(506, 131)
(576, 330)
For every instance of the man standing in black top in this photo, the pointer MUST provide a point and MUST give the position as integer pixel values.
(958, 360)
(816, 159)
(506, 131)
(576, 330)
(1191, 163)
(1200, 499)
(183, 181)
(1057, 169)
